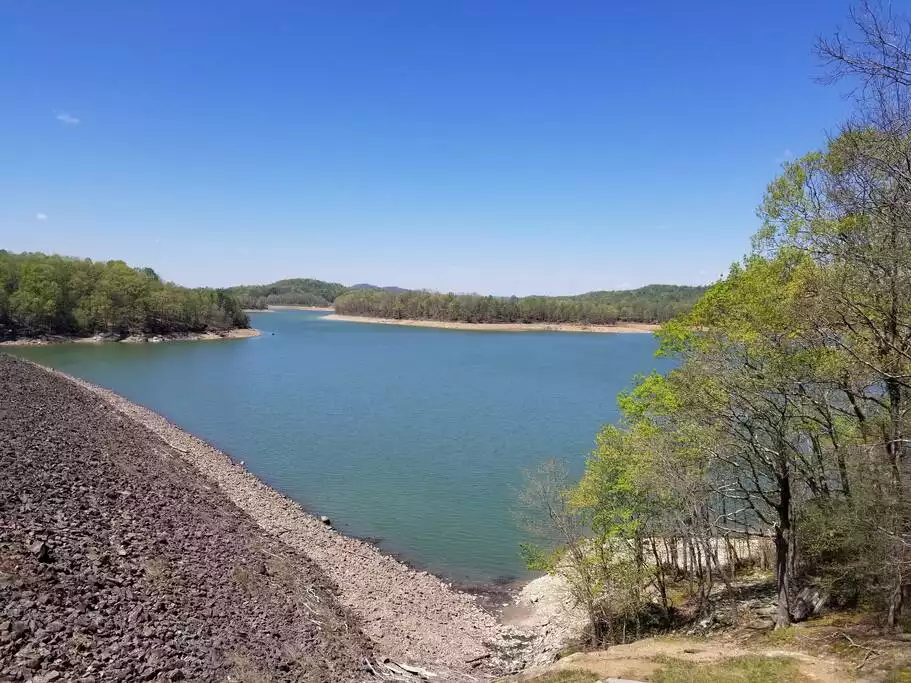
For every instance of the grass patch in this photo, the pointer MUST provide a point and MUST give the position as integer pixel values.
(565, 676)
(842, 619)
(748, 669)
(782, 636)
(901, 675)
(678, 595)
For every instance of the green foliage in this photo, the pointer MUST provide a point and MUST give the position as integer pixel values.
(292, 292)
(788, 416)
(54, 295)
(900, 675)
(654, 303)
(838, 550)
(537, 559)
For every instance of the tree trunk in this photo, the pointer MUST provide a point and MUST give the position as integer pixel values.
(782, 553)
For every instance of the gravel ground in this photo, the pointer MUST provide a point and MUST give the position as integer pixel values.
(118, 561)
(412, 617)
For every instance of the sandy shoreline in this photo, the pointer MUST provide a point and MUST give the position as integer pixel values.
(239, 333)
(290, 307)
(412, 615)
(620, 328)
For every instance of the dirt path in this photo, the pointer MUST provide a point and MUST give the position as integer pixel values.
(640, 660)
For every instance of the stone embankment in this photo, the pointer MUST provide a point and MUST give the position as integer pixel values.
(90, 474)
(118, 561)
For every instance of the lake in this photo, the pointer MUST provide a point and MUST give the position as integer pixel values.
(414, 437)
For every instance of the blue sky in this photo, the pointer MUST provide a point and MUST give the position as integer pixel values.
(472, 145)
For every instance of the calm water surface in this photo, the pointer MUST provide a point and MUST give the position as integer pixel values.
(414, 436)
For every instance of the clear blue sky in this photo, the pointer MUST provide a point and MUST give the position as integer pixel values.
(473, 145)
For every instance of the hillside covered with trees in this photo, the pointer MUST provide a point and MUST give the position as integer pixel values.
(787, 420)
(297, 292)
(55, 295)
(655, 303)
(291, 292)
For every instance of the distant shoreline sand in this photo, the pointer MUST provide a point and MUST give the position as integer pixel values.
(623, 328)
(290, 307)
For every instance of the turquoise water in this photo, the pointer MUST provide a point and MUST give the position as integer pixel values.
(413, 436)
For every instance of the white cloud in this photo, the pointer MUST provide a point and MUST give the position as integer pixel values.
(785, 156)
(40, 216)
(68, 119)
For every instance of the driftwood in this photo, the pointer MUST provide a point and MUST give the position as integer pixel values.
(388, 670)
(870, 652)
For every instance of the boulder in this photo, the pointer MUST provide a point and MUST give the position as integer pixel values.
(809, 602)
(41, 551)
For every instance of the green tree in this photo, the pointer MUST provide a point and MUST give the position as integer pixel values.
(52, 295)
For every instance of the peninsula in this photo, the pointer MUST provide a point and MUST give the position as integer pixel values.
(635, 328)
(57, 298)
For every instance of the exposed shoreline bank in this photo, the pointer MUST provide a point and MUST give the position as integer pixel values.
(620, 328)
(237, 333)
(120, 561)
(291, 307)
(412, 615)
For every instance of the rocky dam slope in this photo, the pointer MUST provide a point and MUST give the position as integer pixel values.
(131, 550)
(118, 561)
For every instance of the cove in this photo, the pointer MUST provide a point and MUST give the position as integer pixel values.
(414, 437)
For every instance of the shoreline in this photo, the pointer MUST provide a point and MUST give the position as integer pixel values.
(620, 328)
(293, 307)
(412, 615)
(237, 333)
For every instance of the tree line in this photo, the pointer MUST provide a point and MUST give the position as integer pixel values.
(291, 292)
(44, 294)
(787, 420)
(655, 303)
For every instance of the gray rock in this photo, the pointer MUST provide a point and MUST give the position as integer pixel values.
(41, 551)
(809, 602)
(325, 520)
(48, 677)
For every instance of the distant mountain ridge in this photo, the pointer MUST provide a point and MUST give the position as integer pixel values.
(298, 292)
(391, 289)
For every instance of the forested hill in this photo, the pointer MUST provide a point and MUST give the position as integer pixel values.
(654, 303)
(296, 292)
(57, 295)
(291, 292)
